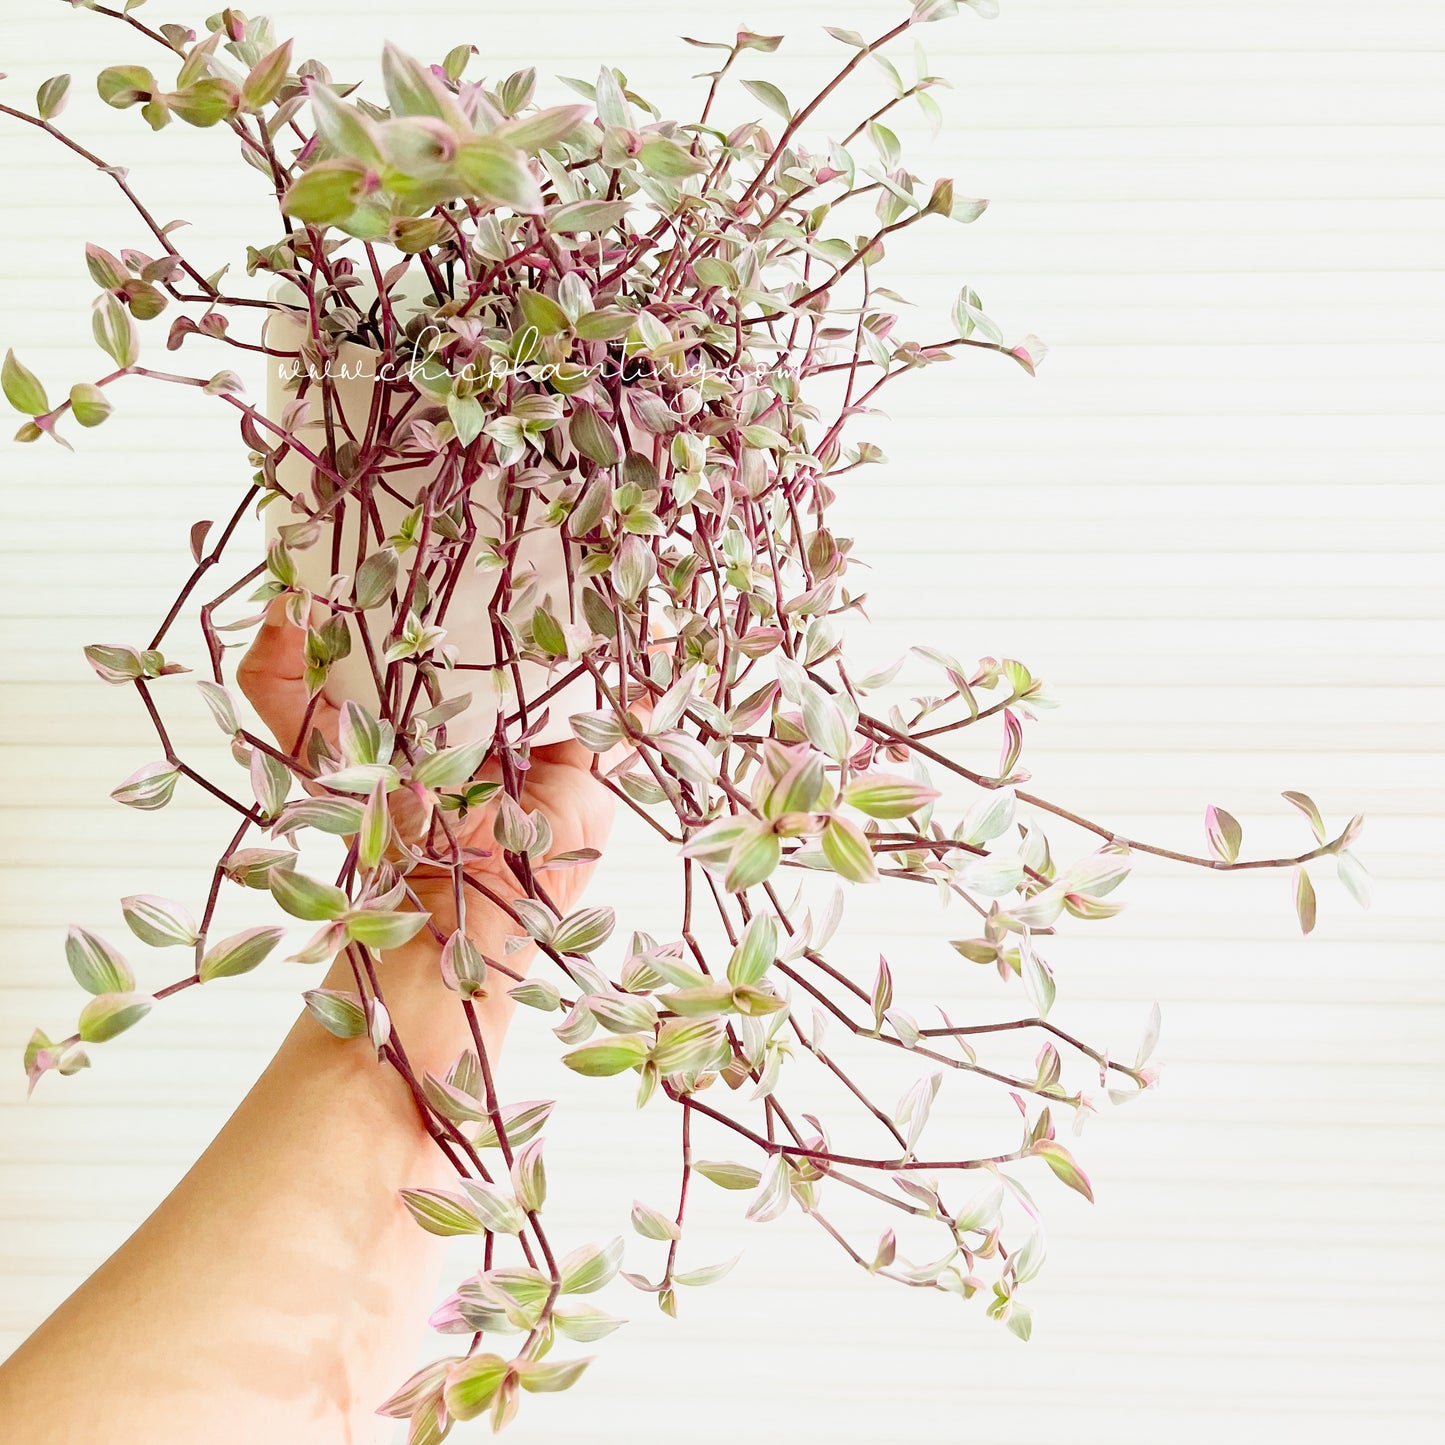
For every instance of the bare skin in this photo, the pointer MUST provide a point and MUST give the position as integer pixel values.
(276, 1292)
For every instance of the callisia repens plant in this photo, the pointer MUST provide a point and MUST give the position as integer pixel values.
(619, 367)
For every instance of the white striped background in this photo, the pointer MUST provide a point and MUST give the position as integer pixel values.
(1213, 523)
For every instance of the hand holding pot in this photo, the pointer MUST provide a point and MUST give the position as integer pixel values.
(558, 784)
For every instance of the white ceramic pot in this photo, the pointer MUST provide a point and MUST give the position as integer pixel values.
(468, 615)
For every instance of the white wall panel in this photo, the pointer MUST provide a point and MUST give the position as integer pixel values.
(1214, 522)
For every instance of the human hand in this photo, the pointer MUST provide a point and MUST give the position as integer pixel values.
(559, 784)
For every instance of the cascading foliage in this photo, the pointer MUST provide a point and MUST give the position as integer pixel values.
(648, 338)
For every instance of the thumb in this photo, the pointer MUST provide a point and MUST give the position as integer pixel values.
(273, 677)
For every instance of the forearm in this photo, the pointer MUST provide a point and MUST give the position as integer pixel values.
(278, 1288)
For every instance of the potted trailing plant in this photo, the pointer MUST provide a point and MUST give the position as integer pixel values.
(560, 400)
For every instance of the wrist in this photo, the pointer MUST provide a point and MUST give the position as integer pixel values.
(430, 1020)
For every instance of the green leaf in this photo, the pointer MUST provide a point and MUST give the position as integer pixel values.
(362, 778)
(1062, 1163)
(145, 301)
(685, 1044)
(763, 438)
(467, 417)
(463, 965)
(471, 1386)
(547, 633)
(529, 1177)
(538, 994)
(114, 331)
(1038, 980)
(360, 736)
(239, 953)
(499, 1215)
(603, 1057)
(440, 1213)
(584, 930)
(726, 1175)
(914, 1107)
(708, 1274)
(98, 968)
(825, 725)
(452, 1101)
(991, 816)
(586, 1270)
(205, 103)
(266, 78)
(412, 89)
(755, 953)
(713, 846)
(51, 97)
(345, 129)
(543, 128)
(472, 1383)
(115, 665)
(653, 1223)
(969, 316)
(252, 867)
(451, 767)
(376, 578)
(661, 156)
(122, 86)
(592, 436)
(520, 1123)
(612, 106)
(543, 313)
(111, 1014)
(306, 898)
(773, 1193)
(754, 858)
(22, 387)
(109, 272)
(583, 1322)
(1224, 834)
(549, 1376)
(598, 732)
(456, 60)
(158, 921)
(633, 572)
(579, 216)
(770, 96)
(89, 405)
(886, 144)
(606, 323)
(382, 931)
(340, 817)
(706, 1000)
(326, 193)
(374, 834)
(500, 174)
(147, 788)
(883, 796)
(1304, 900)
(341, 1014)
(270, 782)
(965, 208)
(1355, 876)
(1306, 805)
(845, 846)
